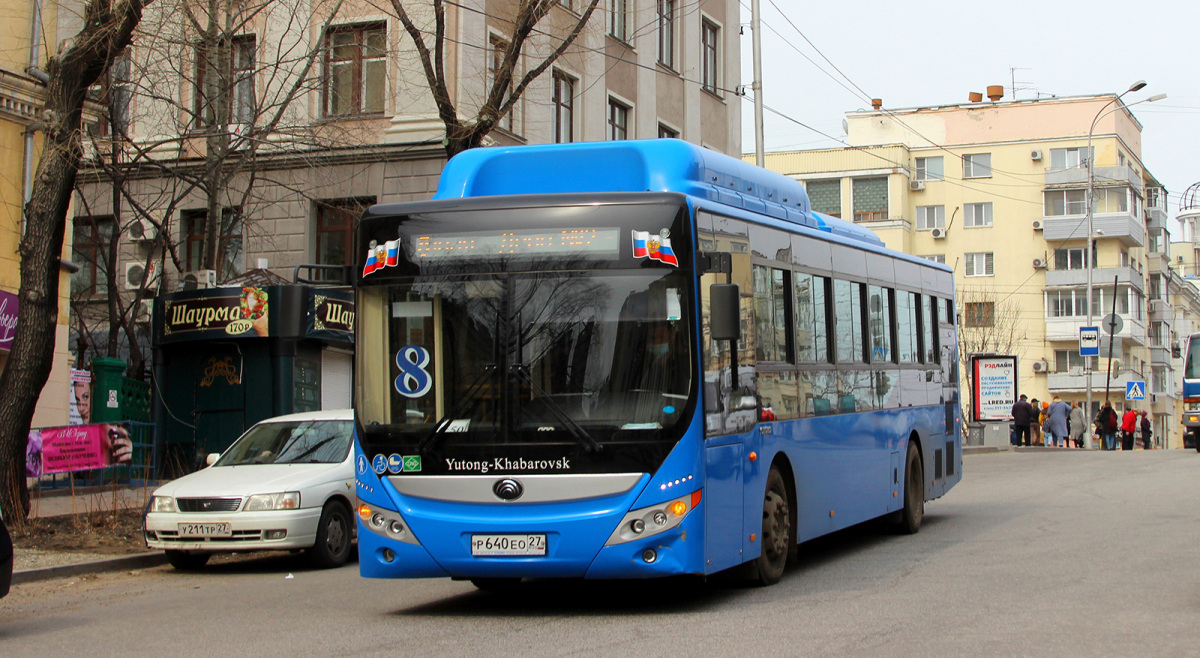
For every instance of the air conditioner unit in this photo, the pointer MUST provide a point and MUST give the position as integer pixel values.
(145, 309)
(1039, 263)
(916, 185)
(1040, 366)
(143, 230)
(938, 233)
(198, 280)
(1035, 154)
(138, 275)
(1037, 224)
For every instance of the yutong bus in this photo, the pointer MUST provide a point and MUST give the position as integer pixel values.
(638, 359)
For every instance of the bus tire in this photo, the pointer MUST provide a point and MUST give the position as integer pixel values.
(185, 561)
(914, 492)
(1196, 439)
(332, 547)
(776, 531)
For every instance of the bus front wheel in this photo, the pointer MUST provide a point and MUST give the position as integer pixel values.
(776, 531)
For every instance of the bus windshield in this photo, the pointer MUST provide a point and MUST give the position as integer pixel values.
(579, 359)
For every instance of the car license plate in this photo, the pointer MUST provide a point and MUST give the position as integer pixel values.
(204, 530)
(508, 545)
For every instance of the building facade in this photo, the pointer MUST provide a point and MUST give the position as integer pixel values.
(997, 190)
(31, 31)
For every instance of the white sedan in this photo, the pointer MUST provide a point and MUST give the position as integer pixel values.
(287, 483)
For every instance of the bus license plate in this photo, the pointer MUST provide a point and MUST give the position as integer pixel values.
(204, 530)
(508, 545)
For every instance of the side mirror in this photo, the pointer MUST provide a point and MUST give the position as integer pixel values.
(212, 458)
(747, 402)
(724, 311)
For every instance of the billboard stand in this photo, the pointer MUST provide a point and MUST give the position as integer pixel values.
(993, 393)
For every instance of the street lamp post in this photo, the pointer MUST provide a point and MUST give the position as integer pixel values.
(1091, 237)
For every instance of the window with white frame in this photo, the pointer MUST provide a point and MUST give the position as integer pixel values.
(1074, 258)
(710, 35)
(1111, 200)
(1065, 360)
(931, 217)
(1064, 202)
(980, 263)
(1066, 303)
(1068, 158)
(976, 215)
(666, 33)
(618, 120)
(618, 24)
(667, 132)
(498, 47)
(931, 168)
(937, 258)
(977, 165)
(564, 107)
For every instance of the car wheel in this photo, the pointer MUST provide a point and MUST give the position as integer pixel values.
(333, 537)
(185, 561)
(914, 492)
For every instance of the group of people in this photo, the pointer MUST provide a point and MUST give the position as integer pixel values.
(1061, 424)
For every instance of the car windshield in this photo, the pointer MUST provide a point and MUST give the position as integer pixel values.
(293, 442)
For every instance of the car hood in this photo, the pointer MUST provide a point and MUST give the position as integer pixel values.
(230, 481)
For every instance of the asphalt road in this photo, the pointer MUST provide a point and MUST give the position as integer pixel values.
(1035, 553)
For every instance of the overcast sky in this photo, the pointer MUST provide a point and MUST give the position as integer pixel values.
(935, 52)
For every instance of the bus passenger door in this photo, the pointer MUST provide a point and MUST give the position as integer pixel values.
(722, 507)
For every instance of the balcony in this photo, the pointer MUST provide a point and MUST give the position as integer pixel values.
(1077, 177)
(1101, 276)
(1121, 225)
(1160, 310)
(1075, 381)
(1067, 329)
(1160, 355)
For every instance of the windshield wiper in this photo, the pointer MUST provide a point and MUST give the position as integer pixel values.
(573, 427)
(439, 428)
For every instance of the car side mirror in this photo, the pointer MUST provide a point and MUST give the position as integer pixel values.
(212, 458)
(724, 316)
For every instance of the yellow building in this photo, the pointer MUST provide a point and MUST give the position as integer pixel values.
(997, 190)
(29, 31)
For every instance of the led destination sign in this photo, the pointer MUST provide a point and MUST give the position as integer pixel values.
(601, 243)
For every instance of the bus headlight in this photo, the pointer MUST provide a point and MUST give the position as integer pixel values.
(650, 521)
(386, 523)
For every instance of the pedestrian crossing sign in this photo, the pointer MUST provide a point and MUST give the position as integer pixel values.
(1135, 391)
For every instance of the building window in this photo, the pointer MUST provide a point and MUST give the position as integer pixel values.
(1066, 303)
(237, 87)
(979, 264)
(870, 198)
(937, 258)
(618, 120)
(979, 314)
(977, 165)
(618, 24)
(976, 215)
(1071, 259)
(1068, 158)
(666, 33)
(1065, 360)
(667, 132)
(825, 196)
(336, 219)
(1064, 202)
(931, 217)
(116, 95)
(1111, 200)
(229, 248)
(564, 107)
(498, 47)
(709, 62)
(931, 168)
(92, 237)
(355, 70)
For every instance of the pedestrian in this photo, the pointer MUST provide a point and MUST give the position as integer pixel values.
(1057, 416)
(1023, 415)
(1147, 432)
(1077, 425)
(1107, 425)
(1035, 423)
(1128, 427)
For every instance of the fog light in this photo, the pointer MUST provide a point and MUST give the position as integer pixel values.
(388, 555)
(649, 556)
(275, 534)
(638, 526)
(395, 527)
(660, 518)
(377, 520)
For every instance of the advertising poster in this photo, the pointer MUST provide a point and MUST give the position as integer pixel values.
(81, 398)
(77, 448)
(994, 389)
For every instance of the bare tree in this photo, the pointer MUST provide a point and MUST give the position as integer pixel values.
(989, 323)
(505, 86)
(107, 29)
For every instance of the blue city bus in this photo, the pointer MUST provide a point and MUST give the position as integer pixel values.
(638, 359)
(1191, 393)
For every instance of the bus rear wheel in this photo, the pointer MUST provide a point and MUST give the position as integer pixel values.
(776, 531)
(914, 492)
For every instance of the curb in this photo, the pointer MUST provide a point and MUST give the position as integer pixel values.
(139, 561)
(983, 450)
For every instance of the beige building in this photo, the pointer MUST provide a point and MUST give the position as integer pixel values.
(997, 190)
(29, 33)
(360, 126)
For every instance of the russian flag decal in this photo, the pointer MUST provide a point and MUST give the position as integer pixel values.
(654, 247)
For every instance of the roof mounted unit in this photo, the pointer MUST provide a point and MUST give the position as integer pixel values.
(938, 233)
(916, 185)
(1035, 154)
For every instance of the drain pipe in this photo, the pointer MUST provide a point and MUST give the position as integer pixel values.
(35, 55)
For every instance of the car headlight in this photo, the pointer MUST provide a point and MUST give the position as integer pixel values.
(650, 521)
(262, 502)
(162, 504)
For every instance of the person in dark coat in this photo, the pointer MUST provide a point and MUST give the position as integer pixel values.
(1107, 423)
(1023, 415)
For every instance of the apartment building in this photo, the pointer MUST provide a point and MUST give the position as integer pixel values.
(997, 190)
(30, 32)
